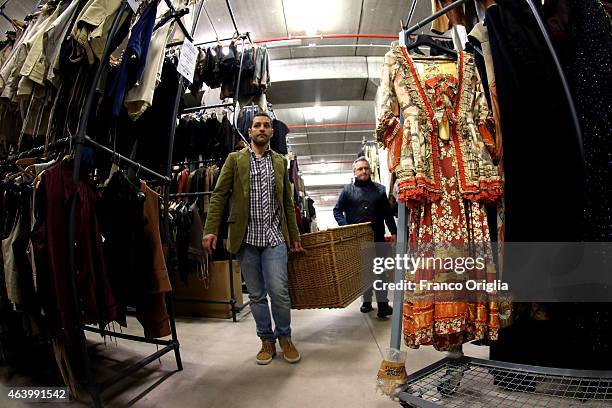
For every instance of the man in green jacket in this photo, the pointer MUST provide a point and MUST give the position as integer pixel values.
(262, 226)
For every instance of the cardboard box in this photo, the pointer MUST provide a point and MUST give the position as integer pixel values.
(218, 289)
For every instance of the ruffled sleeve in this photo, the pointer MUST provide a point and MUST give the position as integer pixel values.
(389, 128)
(483, 127)
(483, 119)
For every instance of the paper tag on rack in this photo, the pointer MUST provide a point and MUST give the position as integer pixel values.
(402, 38)
(135, 4)
(188, 60)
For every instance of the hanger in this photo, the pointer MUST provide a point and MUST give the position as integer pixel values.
(425, 40)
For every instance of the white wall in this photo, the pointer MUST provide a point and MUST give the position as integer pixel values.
(325, 219)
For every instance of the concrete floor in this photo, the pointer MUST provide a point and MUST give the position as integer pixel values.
(341, 353)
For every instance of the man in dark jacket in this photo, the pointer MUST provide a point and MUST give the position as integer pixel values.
(366, 201)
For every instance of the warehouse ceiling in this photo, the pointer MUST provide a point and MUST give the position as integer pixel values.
(322, 88)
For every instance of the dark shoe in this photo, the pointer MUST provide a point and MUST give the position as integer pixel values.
(384, 310)
(366, 307)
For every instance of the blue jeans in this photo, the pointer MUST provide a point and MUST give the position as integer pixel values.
(265, 273)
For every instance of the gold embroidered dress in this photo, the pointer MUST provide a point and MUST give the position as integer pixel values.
(445, 174)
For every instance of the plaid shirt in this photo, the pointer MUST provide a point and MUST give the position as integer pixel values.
(264, 216)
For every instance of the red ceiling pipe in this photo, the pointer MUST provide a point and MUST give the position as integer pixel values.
(326, 36)
(330, 125)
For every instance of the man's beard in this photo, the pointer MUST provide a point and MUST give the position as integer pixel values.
(260, 142)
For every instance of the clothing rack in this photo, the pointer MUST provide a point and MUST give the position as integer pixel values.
(36, 151)
(206, 107)
(79, 141)
(429, 379)
(232, 301)
(203, 161)
(196, 194)
(127, 161)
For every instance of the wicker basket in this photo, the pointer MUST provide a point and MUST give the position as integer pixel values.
(330, 273)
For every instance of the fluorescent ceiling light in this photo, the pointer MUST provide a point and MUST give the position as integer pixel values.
(312, 16)
(320, 113)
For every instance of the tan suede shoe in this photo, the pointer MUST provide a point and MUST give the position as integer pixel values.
(290, 353)
(267, 352)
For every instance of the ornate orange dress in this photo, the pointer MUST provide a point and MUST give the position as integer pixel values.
(441, 158)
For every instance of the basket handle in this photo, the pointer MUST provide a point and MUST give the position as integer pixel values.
(336, 241)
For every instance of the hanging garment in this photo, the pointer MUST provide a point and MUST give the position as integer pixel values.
(11, 274)
(151, 308)
(92, 27)
(53, 38)
(133, 60)
(35, 65)
(480, 34)
(22, 259)
(50, 243)
(532, 104)
(140, 97)
(445, 175)
(9, 75)
(278, 143)
(120, 210)
(463, 15)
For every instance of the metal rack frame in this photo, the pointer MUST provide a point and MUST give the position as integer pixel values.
(245, 36)
(407, 398)
(474, 382)
(79, 141)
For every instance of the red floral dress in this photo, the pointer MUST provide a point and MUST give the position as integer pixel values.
(445, 174)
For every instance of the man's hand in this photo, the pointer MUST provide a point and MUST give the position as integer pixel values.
(296, 247)
(393, 238)
(209, 243)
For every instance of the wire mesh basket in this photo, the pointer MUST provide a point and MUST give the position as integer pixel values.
(330, 273)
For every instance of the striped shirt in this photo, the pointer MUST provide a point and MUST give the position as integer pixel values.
(264, 216)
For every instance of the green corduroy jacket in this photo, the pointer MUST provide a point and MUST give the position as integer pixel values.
(234, 180)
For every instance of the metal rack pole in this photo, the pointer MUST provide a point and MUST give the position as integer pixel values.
(79, 140)
(126, 160)
(398, 295)
(231, 13)
(204, 107)
(166, 197)
(566, 88)
(35, 151)
(178, 20)
(197, 194)
(434, 16)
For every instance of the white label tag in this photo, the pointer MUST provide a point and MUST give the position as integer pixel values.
(135, 4)
(402, 38)
(188, 60)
